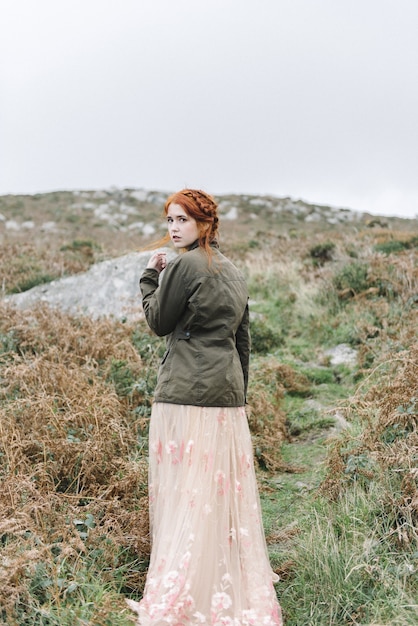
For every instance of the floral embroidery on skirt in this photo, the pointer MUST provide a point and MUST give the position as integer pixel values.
(209, 563)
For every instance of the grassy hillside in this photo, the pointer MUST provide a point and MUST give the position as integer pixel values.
(47, 236)
(336, 445)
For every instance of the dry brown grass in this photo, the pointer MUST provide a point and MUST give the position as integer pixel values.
(267, 419)
(68, 448)
(26, 264)
(386, 399)
(387, 448)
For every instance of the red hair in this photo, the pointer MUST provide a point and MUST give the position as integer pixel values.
(201, 207)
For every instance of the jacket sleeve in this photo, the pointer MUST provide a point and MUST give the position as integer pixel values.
(243, 343)
(163, 298)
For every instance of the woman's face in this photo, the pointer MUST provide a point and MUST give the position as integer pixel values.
(182, 228)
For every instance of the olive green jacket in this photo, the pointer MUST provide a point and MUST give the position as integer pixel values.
(202, 308)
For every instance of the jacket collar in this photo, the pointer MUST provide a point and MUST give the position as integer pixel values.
(195, 244)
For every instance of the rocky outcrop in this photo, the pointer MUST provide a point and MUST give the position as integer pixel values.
(107, 289)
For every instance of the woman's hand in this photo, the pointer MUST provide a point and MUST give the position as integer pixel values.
(158, 261)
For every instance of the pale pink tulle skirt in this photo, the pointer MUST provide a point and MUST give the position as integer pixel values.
(209, 562)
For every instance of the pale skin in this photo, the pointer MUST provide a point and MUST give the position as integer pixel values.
(183, 231)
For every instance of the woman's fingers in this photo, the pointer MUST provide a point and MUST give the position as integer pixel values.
(157, 261)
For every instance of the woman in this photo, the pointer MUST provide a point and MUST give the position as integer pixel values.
(209, 562)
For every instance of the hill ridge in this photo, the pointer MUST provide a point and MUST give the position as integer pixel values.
(137, 212)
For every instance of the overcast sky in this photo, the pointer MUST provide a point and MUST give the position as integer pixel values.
(313, 99)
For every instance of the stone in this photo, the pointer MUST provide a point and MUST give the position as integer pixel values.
(107, 289)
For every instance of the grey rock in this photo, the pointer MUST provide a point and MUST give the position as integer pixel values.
(12, 225)
(342, 354)
(107, 289)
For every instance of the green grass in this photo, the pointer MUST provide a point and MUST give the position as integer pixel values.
(345, 566)
(33, 281)
(342, 561)
(347, 571)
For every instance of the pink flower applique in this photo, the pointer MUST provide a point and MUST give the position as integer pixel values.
(223, 484)
(250, 618)
(157, 448)
(189, 450)
(192, 501)
(185, 560)
(245, 536)
(226, 621)
(208, 459)
(221, 601)
(245, 463)
(227, 579)
(170, 579)
(171, 447)
(221, 418)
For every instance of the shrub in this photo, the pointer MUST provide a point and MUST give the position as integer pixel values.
(351, 279)
(389, 247)
(263, 338)
(85, 246)
(33, 281)
(322, 252)
(266, 418)
(396, 245)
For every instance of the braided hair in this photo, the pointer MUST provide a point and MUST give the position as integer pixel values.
(201, 207)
